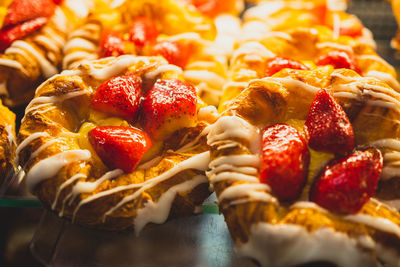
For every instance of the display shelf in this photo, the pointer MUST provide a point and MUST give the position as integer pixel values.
(201, 240)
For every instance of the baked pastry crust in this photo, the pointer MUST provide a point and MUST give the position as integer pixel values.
(7, 141)
(305, 45)
(287, 234)
(212, 39)
(68, 177)
(36, 57)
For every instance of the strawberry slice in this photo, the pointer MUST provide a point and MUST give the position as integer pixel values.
(24, 10)
(119, 147)
(285, 160)
(111, 44)
(347, 184)
(168, 106)
(10, 34)
(338, 59)
(275, 64)
(327, 125)
(174, 52)
(212, 8)
(119, 96)
(143, 31)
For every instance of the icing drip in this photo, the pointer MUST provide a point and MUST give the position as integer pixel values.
(386, 77)
(52, 99)
(10, 135)
(26, 142)
(49, 167)
(88, 187)
(252, 52)
(152, 75)
(197, 162)
(157, 212)
(381, 224)
(335, 46)
(289, 245)
(64, 185)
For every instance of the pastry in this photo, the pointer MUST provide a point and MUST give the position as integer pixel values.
(300, 163)
(31, 40)
(396, 12)
(187, 39)
(310, 46)
(96, 152)
(7, 142)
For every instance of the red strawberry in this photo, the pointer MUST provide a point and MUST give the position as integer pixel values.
(285, 159)
(143, 31)
(119, 96)
(111, 44)
(212, 8)
(275, 64)
(24, 10)
(327, 125)
(168, 106)
(345, 185)
(351, 31)
(119, 147)
(174, 52)
(10, 34)
(338, 59)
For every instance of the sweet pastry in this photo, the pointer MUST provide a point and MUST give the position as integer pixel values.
(172, 29)
(283, 15)
(31, 40)
(260, 54)
(117, 142)
(296, 160)
(7, 142)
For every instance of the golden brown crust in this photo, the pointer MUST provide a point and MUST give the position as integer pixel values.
(7, 141)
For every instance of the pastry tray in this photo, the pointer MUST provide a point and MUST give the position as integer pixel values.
(201, 240)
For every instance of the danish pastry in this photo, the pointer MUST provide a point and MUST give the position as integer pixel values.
(97, 153)
(310, 47)
(296, 159)
(172, 29)
(31, 42)
(7, 142)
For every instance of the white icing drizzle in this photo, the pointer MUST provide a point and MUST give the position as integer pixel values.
(65, 184)
(13, 64)
(386, 77)
(10, 135)
(50, 166)
(52, 99)
(381, 224)
(157, 212)
(88, 187)
(374, 58)
(335, 46)
(206, 76)
(42, 147)
(308, 205)
(26, 142)
(252, 52)
(48, 69)
(288, 245)
(152, 75)
(393, 144)
(249, 191)
(197, 162)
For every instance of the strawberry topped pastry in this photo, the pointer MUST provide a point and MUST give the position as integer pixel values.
(200, 44)
(305, 167)
(7, 145)
(32, 35)
(117, 143)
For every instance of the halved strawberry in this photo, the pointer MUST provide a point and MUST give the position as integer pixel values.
(111, 44)
(24, 10)
(275, 64)
(119, 147)
(285, 160)
(338, 59)
(143, 31)
(347, 184)
(119, 96)
(10, 34)
(168, 106)
(174, 52)
(327, 125)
